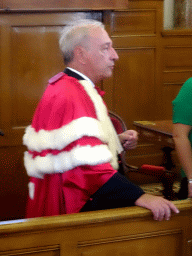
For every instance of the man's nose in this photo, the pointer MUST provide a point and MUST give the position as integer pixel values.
(114, 54)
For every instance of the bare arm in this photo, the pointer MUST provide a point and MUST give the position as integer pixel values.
(183, 149)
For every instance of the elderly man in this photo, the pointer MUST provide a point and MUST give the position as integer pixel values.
(72, 145)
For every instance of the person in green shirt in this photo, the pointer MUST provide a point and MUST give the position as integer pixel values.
(182, 136)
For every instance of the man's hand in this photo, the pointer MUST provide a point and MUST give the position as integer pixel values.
(129, 139)
(160, 207)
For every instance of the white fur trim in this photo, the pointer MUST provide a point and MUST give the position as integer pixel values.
(60, 138)
(31, 187)
(38, 166)
(107, 126)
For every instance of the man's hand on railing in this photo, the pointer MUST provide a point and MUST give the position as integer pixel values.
(160, 207)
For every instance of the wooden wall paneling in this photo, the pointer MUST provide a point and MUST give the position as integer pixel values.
(31, 45)
(170, 244)
(5, 101)
(1, 4)
(144, 0)
(0, 71)
(177, 66)
(135, 91)
(140, 33)
(173, 81)
(147, 33)
(169, 94)
(134, 41)
(13, 178)
(13, 183)
(133, 22)
(178, 57)
(189, 247)
(177, 77)
(133, 83)
(127, 66)
(56, 4)
(158, 114)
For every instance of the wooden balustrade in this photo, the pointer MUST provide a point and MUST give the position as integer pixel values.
(127, 231)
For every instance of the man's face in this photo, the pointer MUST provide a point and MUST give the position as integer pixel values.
(101, 55)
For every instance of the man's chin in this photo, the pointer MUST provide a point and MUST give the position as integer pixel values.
(106, 75)
(109, 74)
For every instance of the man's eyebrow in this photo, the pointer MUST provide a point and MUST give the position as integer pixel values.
(106, 44)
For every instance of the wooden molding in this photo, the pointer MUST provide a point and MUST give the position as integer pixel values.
(177, 33)
(56, 4)
(82, 219)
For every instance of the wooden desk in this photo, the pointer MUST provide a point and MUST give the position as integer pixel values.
(159, 132)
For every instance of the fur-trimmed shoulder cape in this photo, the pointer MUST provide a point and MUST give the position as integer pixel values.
(71, 137)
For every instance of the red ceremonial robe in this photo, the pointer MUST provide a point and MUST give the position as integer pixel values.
(69, 156)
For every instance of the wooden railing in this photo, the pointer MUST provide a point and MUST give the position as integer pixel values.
(126, 231)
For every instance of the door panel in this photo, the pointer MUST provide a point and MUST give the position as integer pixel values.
(132, 84)
(36, 64)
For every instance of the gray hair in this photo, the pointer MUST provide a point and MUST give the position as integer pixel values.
(75, 33)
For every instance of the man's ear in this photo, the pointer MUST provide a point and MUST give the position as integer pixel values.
(80, 54)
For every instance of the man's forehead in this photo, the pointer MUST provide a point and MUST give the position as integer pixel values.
(100, 35)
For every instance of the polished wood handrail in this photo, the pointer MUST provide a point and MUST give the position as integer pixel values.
(82, 219)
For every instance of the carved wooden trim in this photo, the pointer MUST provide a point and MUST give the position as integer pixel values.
(176, 77)
(55, 4)
(129, 237)
(167, 84)
(177, 46)
(177, 33)
(53, 248)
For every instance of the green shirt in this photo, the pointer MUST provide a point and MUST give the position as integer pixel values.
(182, 108)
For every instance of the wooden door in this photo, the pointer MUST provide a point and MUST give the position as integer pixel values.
(29, 56)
